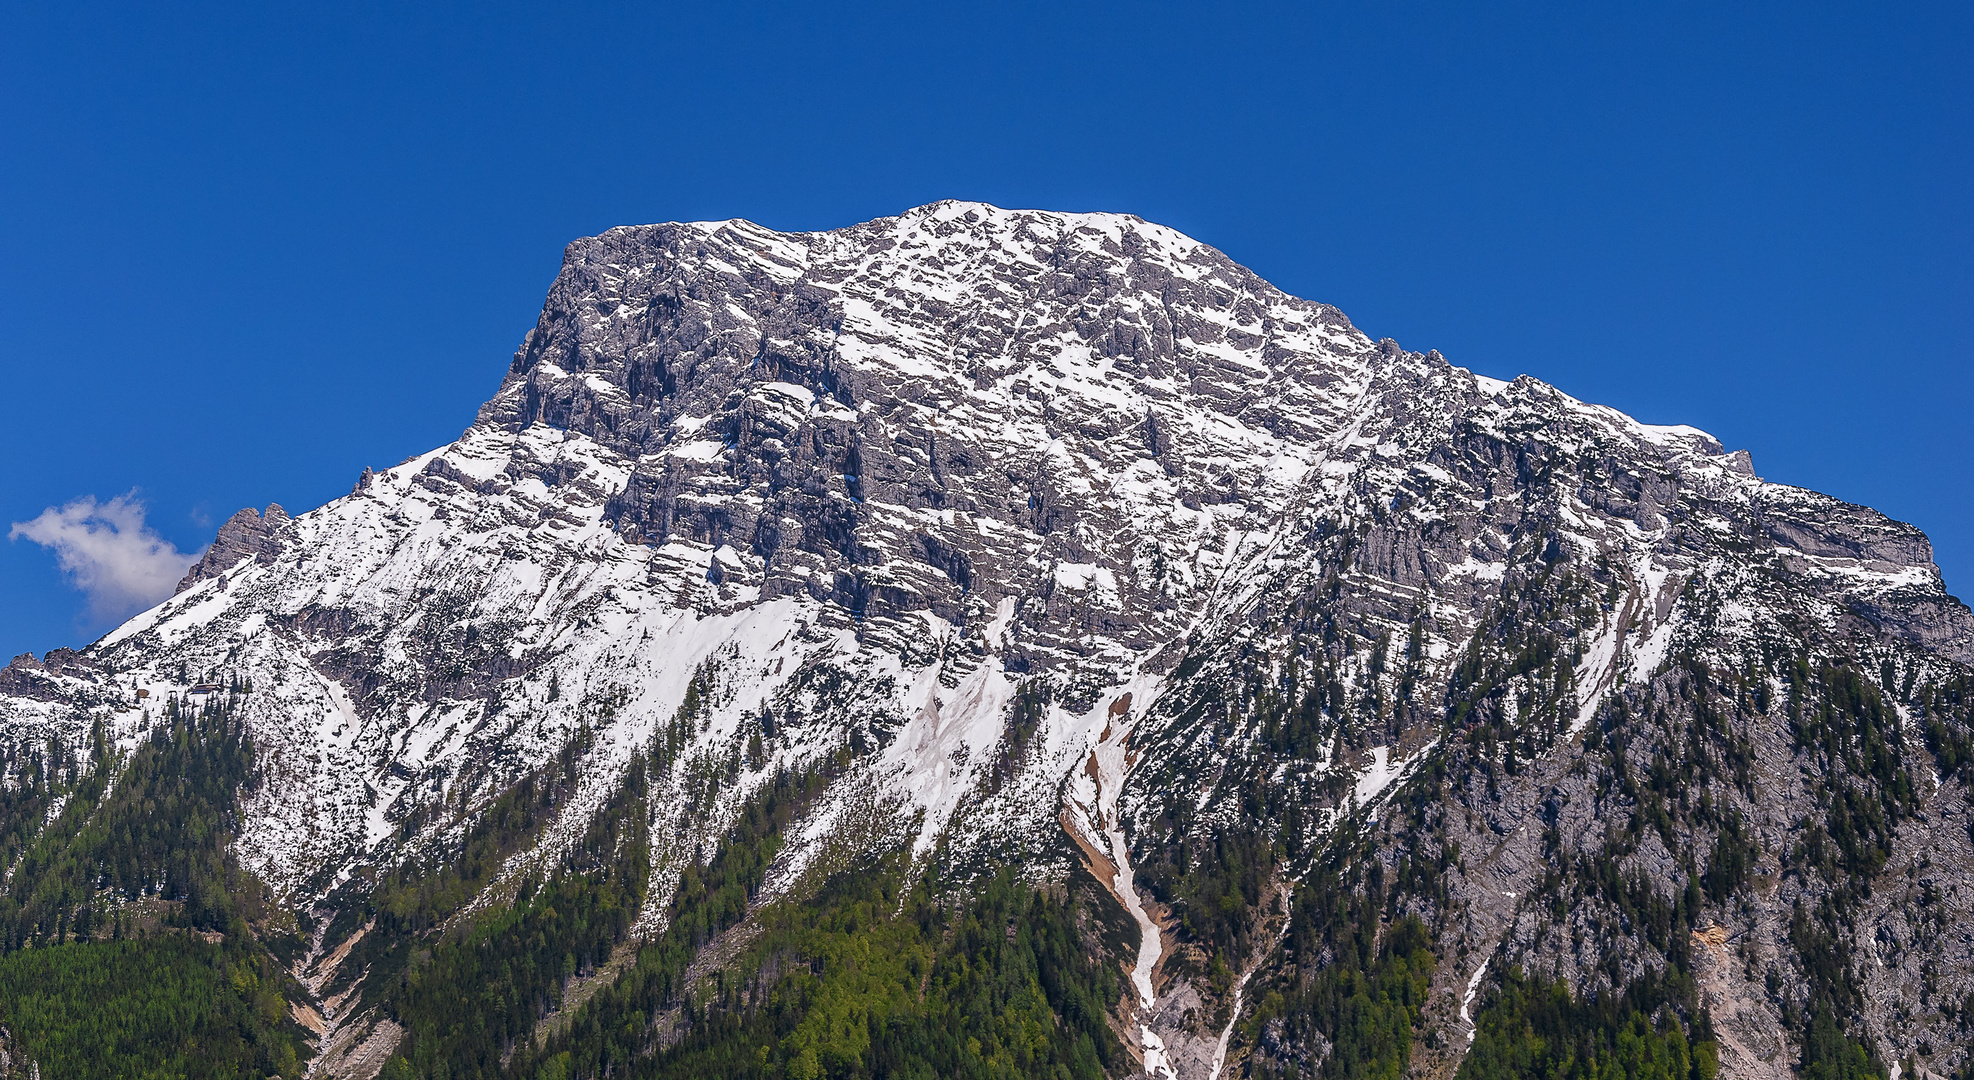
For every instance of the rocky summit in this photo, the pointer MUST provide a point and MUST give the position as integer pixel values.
(1007, 643)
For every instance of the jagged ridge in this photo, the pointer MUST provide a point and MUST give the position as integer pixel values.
(1044, 519)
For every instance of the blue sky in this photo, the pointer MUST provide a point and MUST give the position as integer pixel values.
(245, 252)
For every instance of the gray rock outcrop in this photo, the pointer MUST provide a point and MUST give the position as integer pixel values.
(1578, 692)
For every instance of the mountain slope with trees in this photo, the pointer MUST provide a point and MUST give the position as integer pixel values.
(1006, 643)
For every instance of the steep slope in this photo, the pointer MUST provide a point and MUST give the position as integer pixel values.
(1065, 543)
(1611, 708)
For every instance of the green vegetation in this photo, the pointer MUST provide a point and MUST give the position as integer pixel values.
(129, 947)
(160, 833)
(24, 805)
(101, 971)
(1025, 714)
(419, 895)
(1211, 876)
(1529, 1027)
(1829, 1054)
(1208, 871)
(1848, 731)
(1846, 735)
(1946, 714)
(709, 899)
(469, 998)
(1364, 1002)
(168, 1008)
(868, 978)
(1677, 764)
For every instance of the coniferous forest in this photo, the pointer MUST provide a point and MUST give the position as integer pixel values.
(136, 947)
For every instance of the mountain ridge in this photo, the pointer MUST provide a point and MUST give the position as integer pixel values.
(1020, 524)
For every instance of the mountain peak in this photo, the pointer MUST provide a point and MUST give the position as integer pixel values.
(1061, 542)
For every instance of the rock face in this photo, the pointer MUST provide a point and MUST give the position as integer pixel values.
(943, 411)
(1244, 575)
(247, 534)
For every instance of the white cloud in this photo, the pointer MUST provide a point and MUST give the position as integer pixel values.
(109, 553)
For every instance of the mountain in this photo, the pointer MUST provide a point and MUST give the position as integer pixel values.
(1007, 643)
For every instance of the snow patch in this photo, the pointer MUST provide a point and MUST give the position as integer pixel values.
(935, 759)
(1467, 1001)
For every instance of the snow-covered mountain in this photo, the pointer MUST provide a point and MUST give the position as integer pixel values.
(1079, 544)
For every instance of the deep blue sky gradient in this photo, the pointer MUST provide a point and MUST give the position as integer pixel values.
(247, 251)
